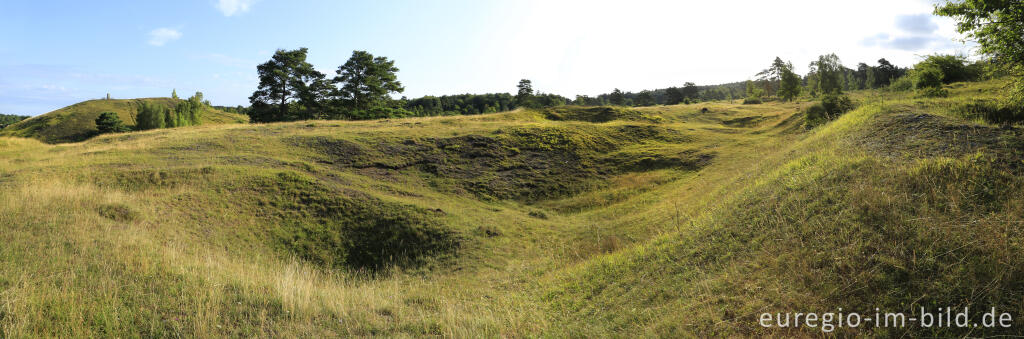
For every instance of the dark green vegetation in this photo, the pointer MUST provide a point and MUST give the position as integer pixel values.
(184, 113)
(108, 122)
(78, 122)
(291, 89)
(7, 119)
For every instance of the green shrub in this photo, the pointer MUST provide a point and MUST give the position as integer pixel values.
(751, 101)
(815, 115)
(952, 68)
(836, 104)
(902, 84)
(831, 106)
(927, 76)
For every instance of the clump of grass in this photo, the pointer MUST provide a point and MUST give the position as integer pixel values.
(118, 212)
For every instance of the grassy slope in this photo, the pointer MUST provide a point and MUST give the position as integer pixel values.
(682, 223)
(78, 122)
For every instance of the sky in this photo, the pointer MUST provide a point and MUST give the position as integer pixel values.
(57, 53)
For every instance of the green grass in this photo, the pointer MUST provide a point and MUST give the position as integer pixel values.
(78, 122)
(674, 221)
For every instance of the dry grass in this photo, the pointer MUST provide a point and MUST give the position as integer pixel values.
(161, 234)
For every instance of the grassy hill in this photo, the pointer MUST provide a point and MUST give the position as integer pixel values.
(78, 122)
(676, 221)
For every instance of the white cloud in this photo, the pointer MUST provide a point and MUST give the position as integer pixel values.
(161, 36)
(232, 7)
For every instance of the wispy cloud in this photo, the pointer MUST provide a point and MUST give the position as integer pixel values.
(917, 24)
(915, 32)
(232, 7)
(161, 36)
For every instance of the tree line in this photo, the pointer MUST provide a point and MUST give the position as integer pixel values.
(291, 89)
(184, 113)
(188, 112)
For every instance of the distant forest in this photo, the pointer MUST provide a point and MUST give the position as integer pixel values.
(364, 86)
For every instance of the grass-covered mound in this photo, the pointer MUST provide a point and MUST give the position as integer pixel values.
(926, 216)
(78, 122)
(517, 225)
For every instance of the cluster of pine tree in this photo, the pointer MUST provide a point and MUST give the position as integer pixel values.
(185, 113)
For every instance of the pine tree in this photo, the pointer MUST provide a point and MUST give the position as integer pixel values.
(109, 122)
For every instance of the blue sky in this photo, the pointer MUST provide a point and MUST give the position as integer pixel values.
(56, 53)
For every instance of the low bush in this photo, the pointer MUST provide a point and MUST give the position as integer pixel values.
(815, 115)
(952, 68)
(751, 101)
(934, 92)
(927, 76)
(902, 84)
(830, 107)
(836, 104)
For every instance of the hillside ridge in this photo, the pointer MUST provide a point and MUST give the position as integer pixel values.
(76, 122)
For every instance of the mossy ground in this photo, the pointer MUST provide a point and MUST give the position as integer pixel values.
(687, 221)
